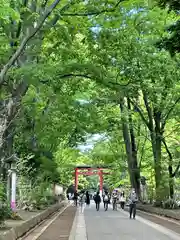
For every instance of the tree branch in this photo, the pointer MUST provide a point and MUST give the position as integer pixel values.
(149, 111)
(91, 77)
(75, 75)
(143, 150)
(167, 149)
(176, 170)
(86, 14)
(20, 90)
(140, 113)
(18, 52)
(173, 174)
(44, 3)
(168, 114)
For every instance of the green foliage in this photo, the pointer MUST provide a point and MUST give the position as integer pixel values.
(38, 165)
(5, 212)
(35, 195)
(172, 4)
(40, 197)
(2, 192)
(171, 42)
(7, 13)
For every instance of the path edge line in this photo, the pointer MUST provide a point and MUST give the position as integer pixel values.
(158, 227)
(50, 222)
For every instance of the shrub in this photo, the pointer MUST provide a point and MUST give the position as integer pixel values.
(170, 204)
(5, 212)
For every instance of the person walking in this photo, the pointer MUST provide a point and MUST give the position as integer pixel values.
(106, 200)
(97, 200)
(132, 203)
(82, 200)
(122, 199)
(75, 198)
(87, 198)
(115, 200)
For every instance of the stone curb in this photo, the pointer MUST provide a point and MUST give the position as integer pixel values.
(174, 214)
(19, 231)
(74, 226)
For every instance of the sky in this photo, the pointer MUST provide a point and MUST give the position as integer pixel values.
(90, 142)
(92, 139)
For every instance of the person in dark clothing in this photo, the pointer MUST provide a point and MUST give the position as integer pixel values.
(75, 198)
(87, 198)
(97, 200)
(67, 195)
(106, 200)
(132, 203)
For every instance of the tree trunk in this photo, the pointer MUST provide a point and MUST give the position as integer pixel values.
(171, 183)
(157, 150)
(171, 177)
(156, 139)
(135, 166)
(172, 174)
(156, 147)
(128, 145)
(8, 113)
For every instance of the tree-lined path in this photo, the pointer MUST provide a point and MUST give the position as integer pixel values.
(93, 225)
(88, 83)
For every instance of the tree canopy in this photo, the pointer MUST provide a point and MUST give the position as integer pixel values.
(74, 69)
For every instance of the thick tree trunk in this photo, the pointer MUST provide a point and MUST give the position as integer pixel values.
(9, 110)
(7, 115)
(135, 166)
(131, 159)
(156, 148)
(3, 124)
(157, 144)
(154, 126)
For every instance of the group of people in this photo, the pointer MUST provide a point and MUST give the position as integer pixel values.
(106, 200)
(116, 197)
(84, 198)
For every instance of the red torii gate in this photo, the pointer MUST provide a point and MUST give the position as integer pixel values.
(89, 171)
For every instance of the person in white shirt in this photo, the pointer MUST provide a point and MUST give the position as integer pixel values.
(82, 200)
(122, 199)
(115, 200)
